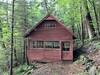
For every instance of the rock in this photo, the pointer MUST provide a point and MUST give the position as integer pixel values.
(92, 70)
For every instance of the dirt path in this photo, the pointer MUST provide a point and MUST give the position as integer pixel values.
(75, 68)
(58, 69)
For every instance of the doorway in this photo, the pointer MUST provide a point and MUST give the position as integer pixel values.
(65, 48)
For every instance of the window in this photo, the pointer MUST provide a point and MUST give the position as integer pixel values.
(49, 24)
(40, 44)
(34, 44)
(56, 44)
(66, 46)
(52, 44)
(46, 44)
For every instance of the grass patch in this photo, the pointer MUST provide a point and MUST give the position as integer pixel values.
(22, 69)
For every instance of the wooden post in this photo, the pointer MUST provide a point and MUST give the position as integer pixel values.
(61, 48)
(27, 48)
(24, 52)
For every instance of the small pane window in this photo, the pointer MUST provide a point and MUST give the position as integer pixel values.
(56, 44)
(66, 46)
(40, 44)
(34, 44)
(52, 44)
(46, 44)
(49, 25)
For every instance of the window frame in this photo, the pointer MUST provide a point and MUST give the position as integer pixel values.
(69, 47)
(46, 44)
(49, 25)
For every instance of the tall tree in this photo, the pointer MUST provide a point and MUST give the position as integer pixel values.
(96, 15)
(12, 42)
(91, 29)
(21, 27)
(82, 27)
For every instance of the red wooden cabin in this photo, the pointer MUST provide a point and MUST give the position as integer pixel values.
(49, 41)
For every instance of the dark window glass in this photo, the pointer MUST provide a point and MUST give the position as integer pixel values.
(40, 44)
(52, 44)
(66, 46)
(49, 25)
(34, 44)
(46, 44)
(56, 44)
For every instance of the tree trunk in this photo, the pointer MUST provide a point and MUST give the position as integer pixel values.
(12, 30)
(91, 29)
(82, 27)
(7, 11)
(96, 16)
(72, 19)
(25, 27)
(15, 56)
(78, 30)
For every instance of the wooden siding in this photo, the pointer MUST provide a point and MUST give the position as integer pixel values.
(57, 33)
(49, 55)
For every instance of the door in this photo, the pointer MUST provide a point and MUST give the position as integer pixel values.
(65, 49)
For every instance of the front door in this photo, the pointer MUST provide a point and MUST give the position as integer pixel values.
(65, 47)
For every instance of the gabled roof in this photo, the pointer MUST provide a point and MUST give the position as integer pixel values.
(47, 17)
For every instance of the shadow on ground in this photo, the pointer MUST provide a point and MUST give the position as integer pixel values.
(78, 52)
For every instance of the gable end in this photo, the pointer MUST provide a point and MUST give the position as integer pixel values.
(46, 18)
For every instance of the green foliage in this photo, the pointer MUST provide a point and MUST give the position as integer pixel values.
(97, 44)
(3, 60)
(21, 69)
